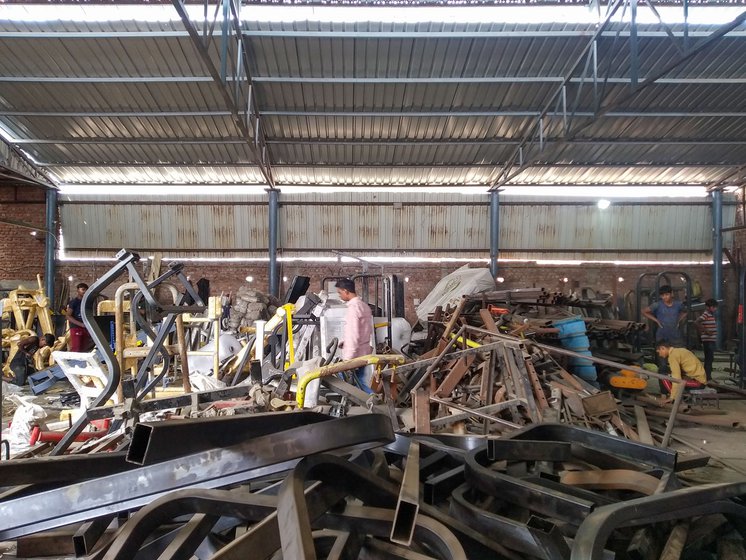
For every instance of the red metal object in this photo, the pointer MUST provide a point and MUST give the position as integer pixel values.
(102, 428)
(688, 384)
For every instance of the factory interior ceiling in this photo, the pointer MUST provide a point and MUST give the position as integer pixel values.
(277, 94)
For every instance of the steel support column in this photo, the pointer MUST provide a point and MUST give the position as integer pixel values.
(274, 218)
(717, 259)
(50, 246)
(494, 231)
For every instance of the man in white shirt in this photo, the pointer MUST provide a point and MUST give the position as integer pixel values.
(358, 325)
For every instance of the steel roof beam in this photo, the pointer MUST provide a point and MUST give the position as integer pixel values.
(15, 161)
(358, 80)
(114, 114)
(576, 34)
(10, 35)
(368, 114)
(478, 80)
(508, 141)
(373, 114)
(382, 142)
(202, 48)
(467, 114)
(519, 161)
(585, 165)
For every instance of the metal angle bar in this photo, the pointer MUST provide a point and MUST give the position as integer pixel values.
(332, 34)
(252, 102)
(90, 34)
(500, 142)
(481, 113)
(634, 48)
(360, 80)
(528, 135)
(656, 74)
(454, 34)
(124, 141)
(208, 469)
(224, 91)
(667, 28)
(114, 114)
(479, 80)
(472, 412)
(105, 79)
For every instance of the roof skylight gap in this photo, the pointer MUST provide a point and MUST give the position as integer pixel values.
(577, 14)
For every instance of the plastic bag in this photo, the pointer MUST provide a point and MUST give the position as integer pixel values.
(24, 418)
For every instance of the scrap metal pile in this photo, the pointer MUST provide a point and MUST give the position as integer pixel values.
(303, 485)
(484, 446)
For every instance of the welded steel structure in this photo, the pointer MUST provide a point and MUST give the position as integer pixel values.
(229, 98)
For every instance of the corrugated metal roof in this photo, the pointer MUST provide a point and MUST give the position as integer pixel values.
(504, 72)
(175, 175)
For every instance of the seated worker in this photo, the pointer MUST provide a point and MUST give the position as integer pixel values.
(22, 364)
(684, 365)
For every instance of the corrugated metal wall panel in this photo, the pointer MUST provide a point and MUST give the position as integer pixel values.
(178, 227)
(402, 224)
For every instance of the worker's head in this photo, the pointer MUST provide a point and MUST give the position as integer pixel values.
(346, 289)
(46, 340)
(711, 304)
(663, 349)
(666, 293)
(82, 287)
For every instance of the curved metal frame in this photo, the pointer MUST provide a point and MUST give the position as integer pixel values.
(679, 504)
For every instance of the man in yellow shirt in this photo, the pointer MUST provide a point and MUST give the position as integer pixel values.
(683, 364)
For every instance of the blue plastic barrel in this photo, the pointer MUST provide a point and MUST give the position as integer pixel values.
(573, 336)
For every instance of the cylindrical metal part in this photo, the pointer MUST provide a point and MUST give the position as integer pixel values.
(494, 231)
(50, 246)
(274, 218)
(717, 259)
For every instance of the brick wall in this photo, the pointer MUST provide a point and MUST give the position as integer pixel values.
(21, 254)
(227, 278)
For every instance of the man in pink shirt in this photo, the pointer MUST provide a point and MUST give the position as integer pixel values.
(358, 325)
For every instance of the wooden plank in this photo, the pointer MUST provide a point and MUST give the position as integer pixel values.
(643, 428)
(454, 376)
(421, 408)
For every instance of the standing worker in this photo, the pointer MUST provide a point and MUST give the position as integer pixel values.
(358, 326)
(667, 313)
(708, 334)
(80, 340)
